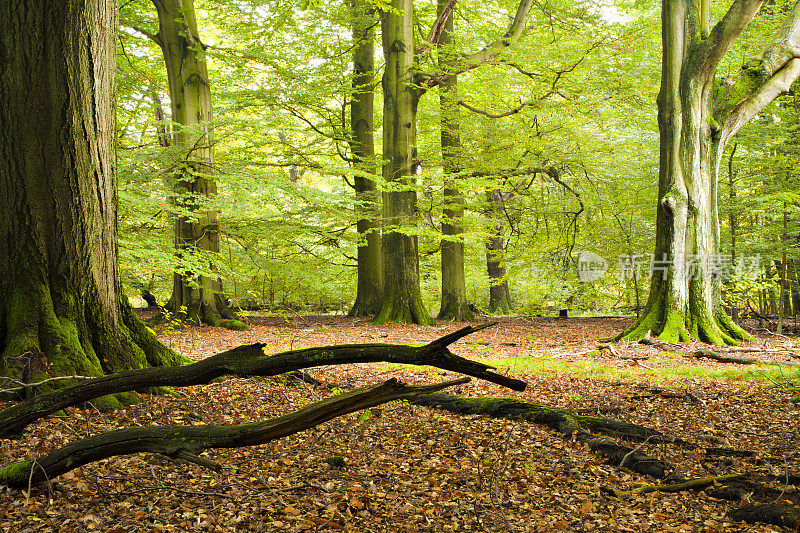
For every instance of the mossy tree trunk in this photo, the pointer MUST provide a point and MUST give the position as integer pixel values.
(198, 296)
(499, 293)
(61, 308)
(369, 291)
(402, 298)
(454, 304)
(697, 116)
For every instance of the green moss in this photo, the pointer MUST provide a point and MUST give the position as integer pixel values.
(484, 404)
(796, 399)
(108, 403)
(16, 473)
(336, 461)
(234, 325)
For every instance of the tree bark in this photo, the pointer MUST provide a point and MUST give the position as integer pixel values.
(197, 296)
(250, 360)
(186, 442)
(402, 298)
(61, 307)
(369, 289)
(499, 294)
(454, 305)
(697, 116)
(402, 89)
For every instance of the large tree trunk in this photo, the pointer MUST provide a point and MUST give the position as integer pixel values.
(369, 291)
(61, 308)
(499, 294)
(195, 295)
(696, 119)
(402, 299)
(454, 304)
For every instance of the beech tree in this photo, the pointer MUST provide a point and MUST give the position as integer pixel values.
(698, 115)
(362, 147)
(62, 309)
(199, 296)
(454, 305)
(403, 86)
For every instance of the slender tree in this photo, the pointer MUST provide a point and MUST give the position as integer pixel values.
(499, 293)
(61, 307)
(403, 86)
(697, 117)
(362, 147)
(197, 295)
(454, 304)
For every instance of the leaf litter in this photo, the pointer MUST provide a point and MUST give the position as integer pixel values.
(411, 469)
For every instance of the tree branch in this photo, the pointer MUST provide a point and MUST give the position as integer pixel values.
(474, 60)
(724, 33)
(514, 111)
(438, 27)
(186, 442)
(250, 360)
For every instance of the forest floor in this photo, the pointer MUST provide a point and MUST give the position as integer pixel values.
(414, 469)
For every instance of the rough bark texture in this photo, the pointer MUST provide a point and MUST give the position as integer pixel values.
(186, 442)
(250, 360)
(197, 296)
(61, 309)
(499, 293)
(454, 304)
(697, 117)
(402, 299)
(369, 291)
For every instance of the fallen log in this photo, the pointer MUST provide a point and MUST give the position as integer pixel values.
(569, 424)
(250, 360)
(689, 484)
(712, 354)
(187, 442)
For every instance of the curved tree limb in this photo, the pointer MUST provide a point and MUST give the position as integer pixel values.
(186, 442)
(476, 59)
(724, 33)
(746, 110)
(250, 360)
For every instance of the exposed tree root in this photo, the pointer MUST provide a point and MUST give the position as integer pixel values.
(712, 354)
(691, 484)
(736, 488)
(250, 360)
(767, 513)
(187, 442)
(569, 424)
(671, 325)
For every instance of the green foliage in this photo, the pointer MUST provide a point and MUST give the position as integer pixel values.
(582, 83)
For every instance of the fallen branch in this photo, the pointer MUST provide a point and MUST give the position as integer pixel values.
(711, 354)
(250, 360)
(570, 425)
(187, 442)
(691, 484)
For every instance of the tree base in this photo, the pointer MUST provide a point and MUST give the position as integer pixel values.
(361, 307)
(46, 336)
(405, 311)
(454, 310)
(671, 325)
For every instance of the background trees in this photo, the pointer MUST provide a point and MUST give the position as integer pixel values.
(574, 94)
